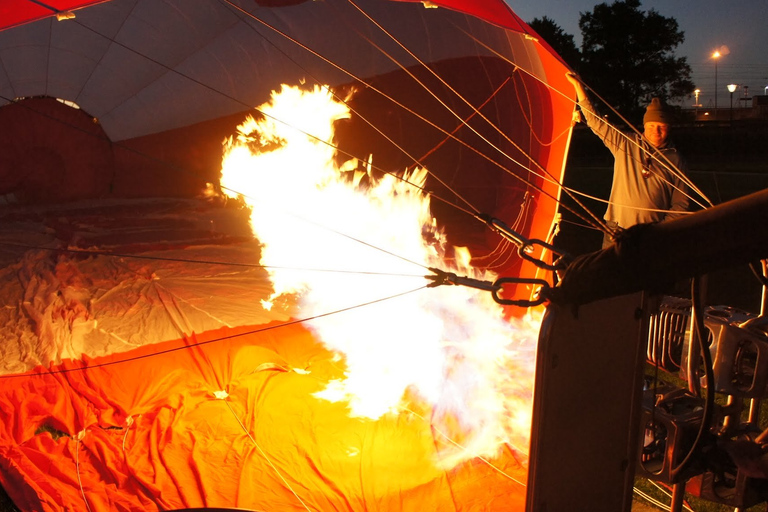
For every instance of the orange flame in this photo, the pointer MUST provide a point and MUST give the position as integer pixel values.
(445, 352)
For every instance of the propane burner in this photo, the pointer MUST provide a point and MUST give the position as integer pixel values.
(718, 461)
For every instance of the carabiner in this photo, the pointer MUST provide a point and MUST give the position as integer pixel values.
(540, 297)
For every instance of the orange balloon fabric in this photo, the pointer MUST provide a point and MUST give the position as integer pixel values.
(226, 419)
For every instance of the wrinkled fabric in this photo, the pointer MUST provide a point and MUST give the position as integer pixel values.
(136, 383)
(150, 434)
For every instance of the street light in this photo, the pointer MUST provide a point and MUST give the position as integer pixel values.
(696, 95)
(731, 89)
(716, 55)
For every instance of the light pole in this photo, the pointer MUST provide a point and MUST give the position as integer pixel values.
(731, 89)
(716, 55)
(696, 104)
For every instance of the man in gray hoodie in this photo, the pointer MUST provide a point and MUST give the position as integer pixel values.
(647, 186)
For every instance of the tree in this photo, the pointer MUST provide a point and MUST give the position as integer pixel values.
(560, 41)
(628, 56)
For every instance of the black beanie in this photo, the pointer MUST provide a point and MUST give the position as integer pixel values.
(657, 112)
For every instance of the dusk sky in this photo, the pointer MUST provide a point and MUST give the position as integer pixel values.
(740, 25)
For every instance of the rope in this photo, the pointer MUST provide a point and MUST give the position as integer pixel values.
(89, 252)
(263, 454)
(430, 123)
(668, 165)
(450, 88)
(465, 121)
(458, 445)
(598, 221)
(252, 16)
(79, 437)
(215, 340)
(343, 152)
(650, 151)
(246, 105)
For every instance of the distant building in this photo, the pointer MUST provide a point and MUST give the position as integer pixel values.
(753, 108)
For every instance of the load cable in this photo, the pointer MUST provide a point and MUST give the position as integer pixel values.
(325, 142)
(598, 222)
(200, 83)
(86, 366)
(249, 106)
(524, 248)
(458, 445)
(475, 110)
(91, 252)
(445, 132)
(264, 454)
(668, 165)
(652, 152)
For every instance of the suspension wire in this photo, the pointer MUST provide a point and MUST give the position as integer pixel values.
(654, 153)
(528, 120)
(453, 90)
(458, 445)
(78, 438)
(448, 134)
(248, 106)
(465, 121)
(278, 120)
(606, 201)
(547, 175)
(472, 210)
(432, 124)
(666, 165)
(327, 228)
(450, 88)
(475, 110)
(215, 340)
(264, 454)
(585, 226)
(89, 252)
(596, 220)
